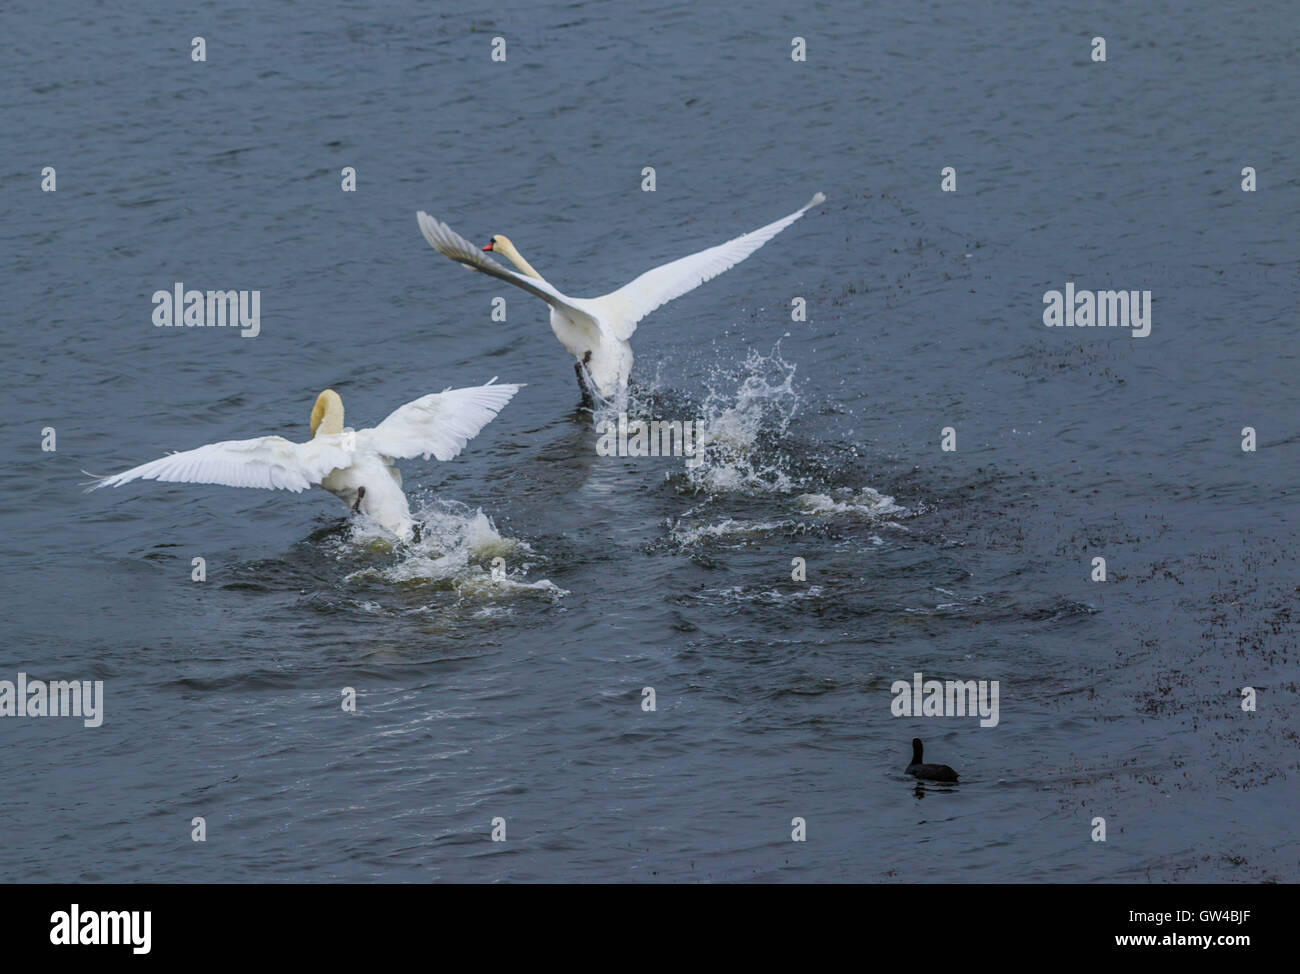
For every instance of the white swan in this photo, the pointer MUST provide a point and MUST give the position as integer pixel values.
(353, 465)
(596, 330)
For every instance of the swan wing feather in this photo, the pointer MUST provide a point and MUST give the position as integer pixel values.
(449, 243)
(439, 424)
(265, 461)
(621, 310)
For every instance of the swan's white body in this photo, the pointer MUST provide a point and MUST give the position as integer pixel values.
(342, 461)
(601, 327)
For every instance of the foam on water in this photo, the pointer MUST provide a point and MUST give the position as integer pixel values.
(455, 551)
(730, 529)
(867, 501)
(740, 594)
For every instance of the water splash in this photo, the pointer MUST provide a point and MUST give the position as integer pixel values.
(743, 419)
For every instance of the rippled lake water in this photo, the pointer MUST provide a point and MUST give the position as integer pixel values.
(519, 696)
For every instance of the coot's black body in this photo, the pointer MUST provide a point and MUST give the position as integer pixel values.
(930, 772)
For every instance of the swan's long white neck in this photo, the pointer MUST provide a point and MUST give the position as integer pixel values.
(508, 250)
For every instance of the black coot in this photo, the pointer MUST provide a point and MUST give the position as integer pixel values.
(930, 772)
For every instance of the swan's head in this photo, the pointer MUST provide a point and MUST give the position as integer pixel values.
(500, 242)
(327, 414)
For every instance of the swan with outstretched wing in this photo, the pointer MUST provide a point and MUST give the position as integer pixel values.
(356, 466)
(596, 331)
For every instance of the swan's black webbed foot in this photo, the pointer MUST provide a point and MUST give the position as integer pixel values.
(415, 532)
(580, 372)
(356, 505)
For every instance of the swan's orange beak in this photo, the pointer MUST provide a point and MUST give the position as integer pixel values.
(489, 245)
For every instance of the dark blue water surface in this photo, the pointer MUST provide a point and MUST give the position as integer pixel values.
(520, 697)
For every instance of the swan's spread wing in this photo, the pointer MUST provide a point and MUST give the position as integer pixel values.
(451, 244)
(265, 461)
(622, 309)
(439, 424)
